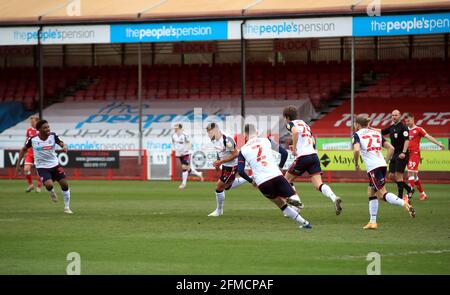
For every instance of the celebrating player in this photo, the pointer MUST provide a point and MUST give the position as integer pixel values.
(182, 145)
(415, 135)
(266, 174)
(29, 158)
(227, 153)
(303, 148)
(46, 161)
(368, 143)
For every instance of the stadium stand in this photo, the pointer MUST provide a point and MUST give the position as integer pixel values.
(317, 82)
(410, 78)
(20, 84)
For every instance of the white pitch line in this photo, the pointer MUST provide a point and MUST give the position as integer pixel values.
(401, 254)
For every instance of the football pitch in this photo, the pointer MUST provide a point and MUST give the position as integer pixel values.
(133, 227)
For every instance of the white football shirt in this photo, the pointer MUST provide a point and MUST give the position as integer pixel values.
(259, 156)
(44, 150)
(371, 143)
(306, 143)
(224, 146)
(181, 144)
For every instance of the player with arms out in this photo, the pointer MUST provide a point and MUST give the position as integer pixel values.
(267, 176)
(227, 153)
(29, 158)
(182, 146)
(415, 135)
(46, 161)
(367, 143)
(303, 148)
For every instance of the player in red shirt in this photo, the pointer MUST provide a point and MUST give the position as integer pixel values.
(415, 135)
(29, 159)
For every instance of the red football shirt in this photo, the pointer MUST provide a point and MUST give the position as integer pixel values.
(30, 133)
(415, 135)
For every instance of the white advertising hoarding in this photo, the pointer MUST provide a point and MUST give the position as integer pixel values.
(114, 124)
(292, 28)
(55, 35)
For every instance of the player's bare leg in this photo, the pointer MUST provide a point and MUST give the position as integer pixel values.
(66, 195)
(49, 186)
(316, 180)
(291, 213)
(220, 199)
(28, 177)
(293, 200)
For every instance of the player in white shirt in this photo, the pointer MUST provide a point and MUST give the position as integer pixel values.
(227, 154)
(304, 149)
(181, 144)
(267, 176)
(46, 161)
(368, 143)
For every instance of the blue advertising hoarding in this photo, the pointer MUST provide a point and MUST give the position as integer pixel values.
(169, 32)
(401, 25)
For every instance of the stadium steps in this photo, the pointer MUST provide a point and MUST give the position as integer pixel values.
(81, 84)
(362, 85)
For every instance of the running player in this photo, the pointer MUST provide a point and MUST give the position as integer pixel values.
(46, 161)
(29, 158)
(227, 153)
(266, 174)
(368, 143)
(304, 149)
(415, 135)
(182, 146)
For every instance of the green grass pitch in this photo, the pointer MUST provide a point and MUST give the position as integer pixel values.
(131, 227)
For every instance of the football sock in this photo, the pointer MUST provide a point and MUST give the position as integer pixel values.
(194, 172)
(39, 182)
(393, 199)
(29, 177)
(238, 182)
(291, 213)
(411, 181)
(66, 196)
(373, 209)
(407, 187)
(400, 188)
(184, 176)
(327, 192)
(220, 198)
(419, 185)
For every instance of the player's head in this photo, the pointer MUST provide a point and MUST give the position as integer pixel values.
(409, 120)
(42, 127)
(250, 131)
(33, 121)
(396, 115)
(362, 121)
(178, 128)
(290, 113)
(213, 130)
